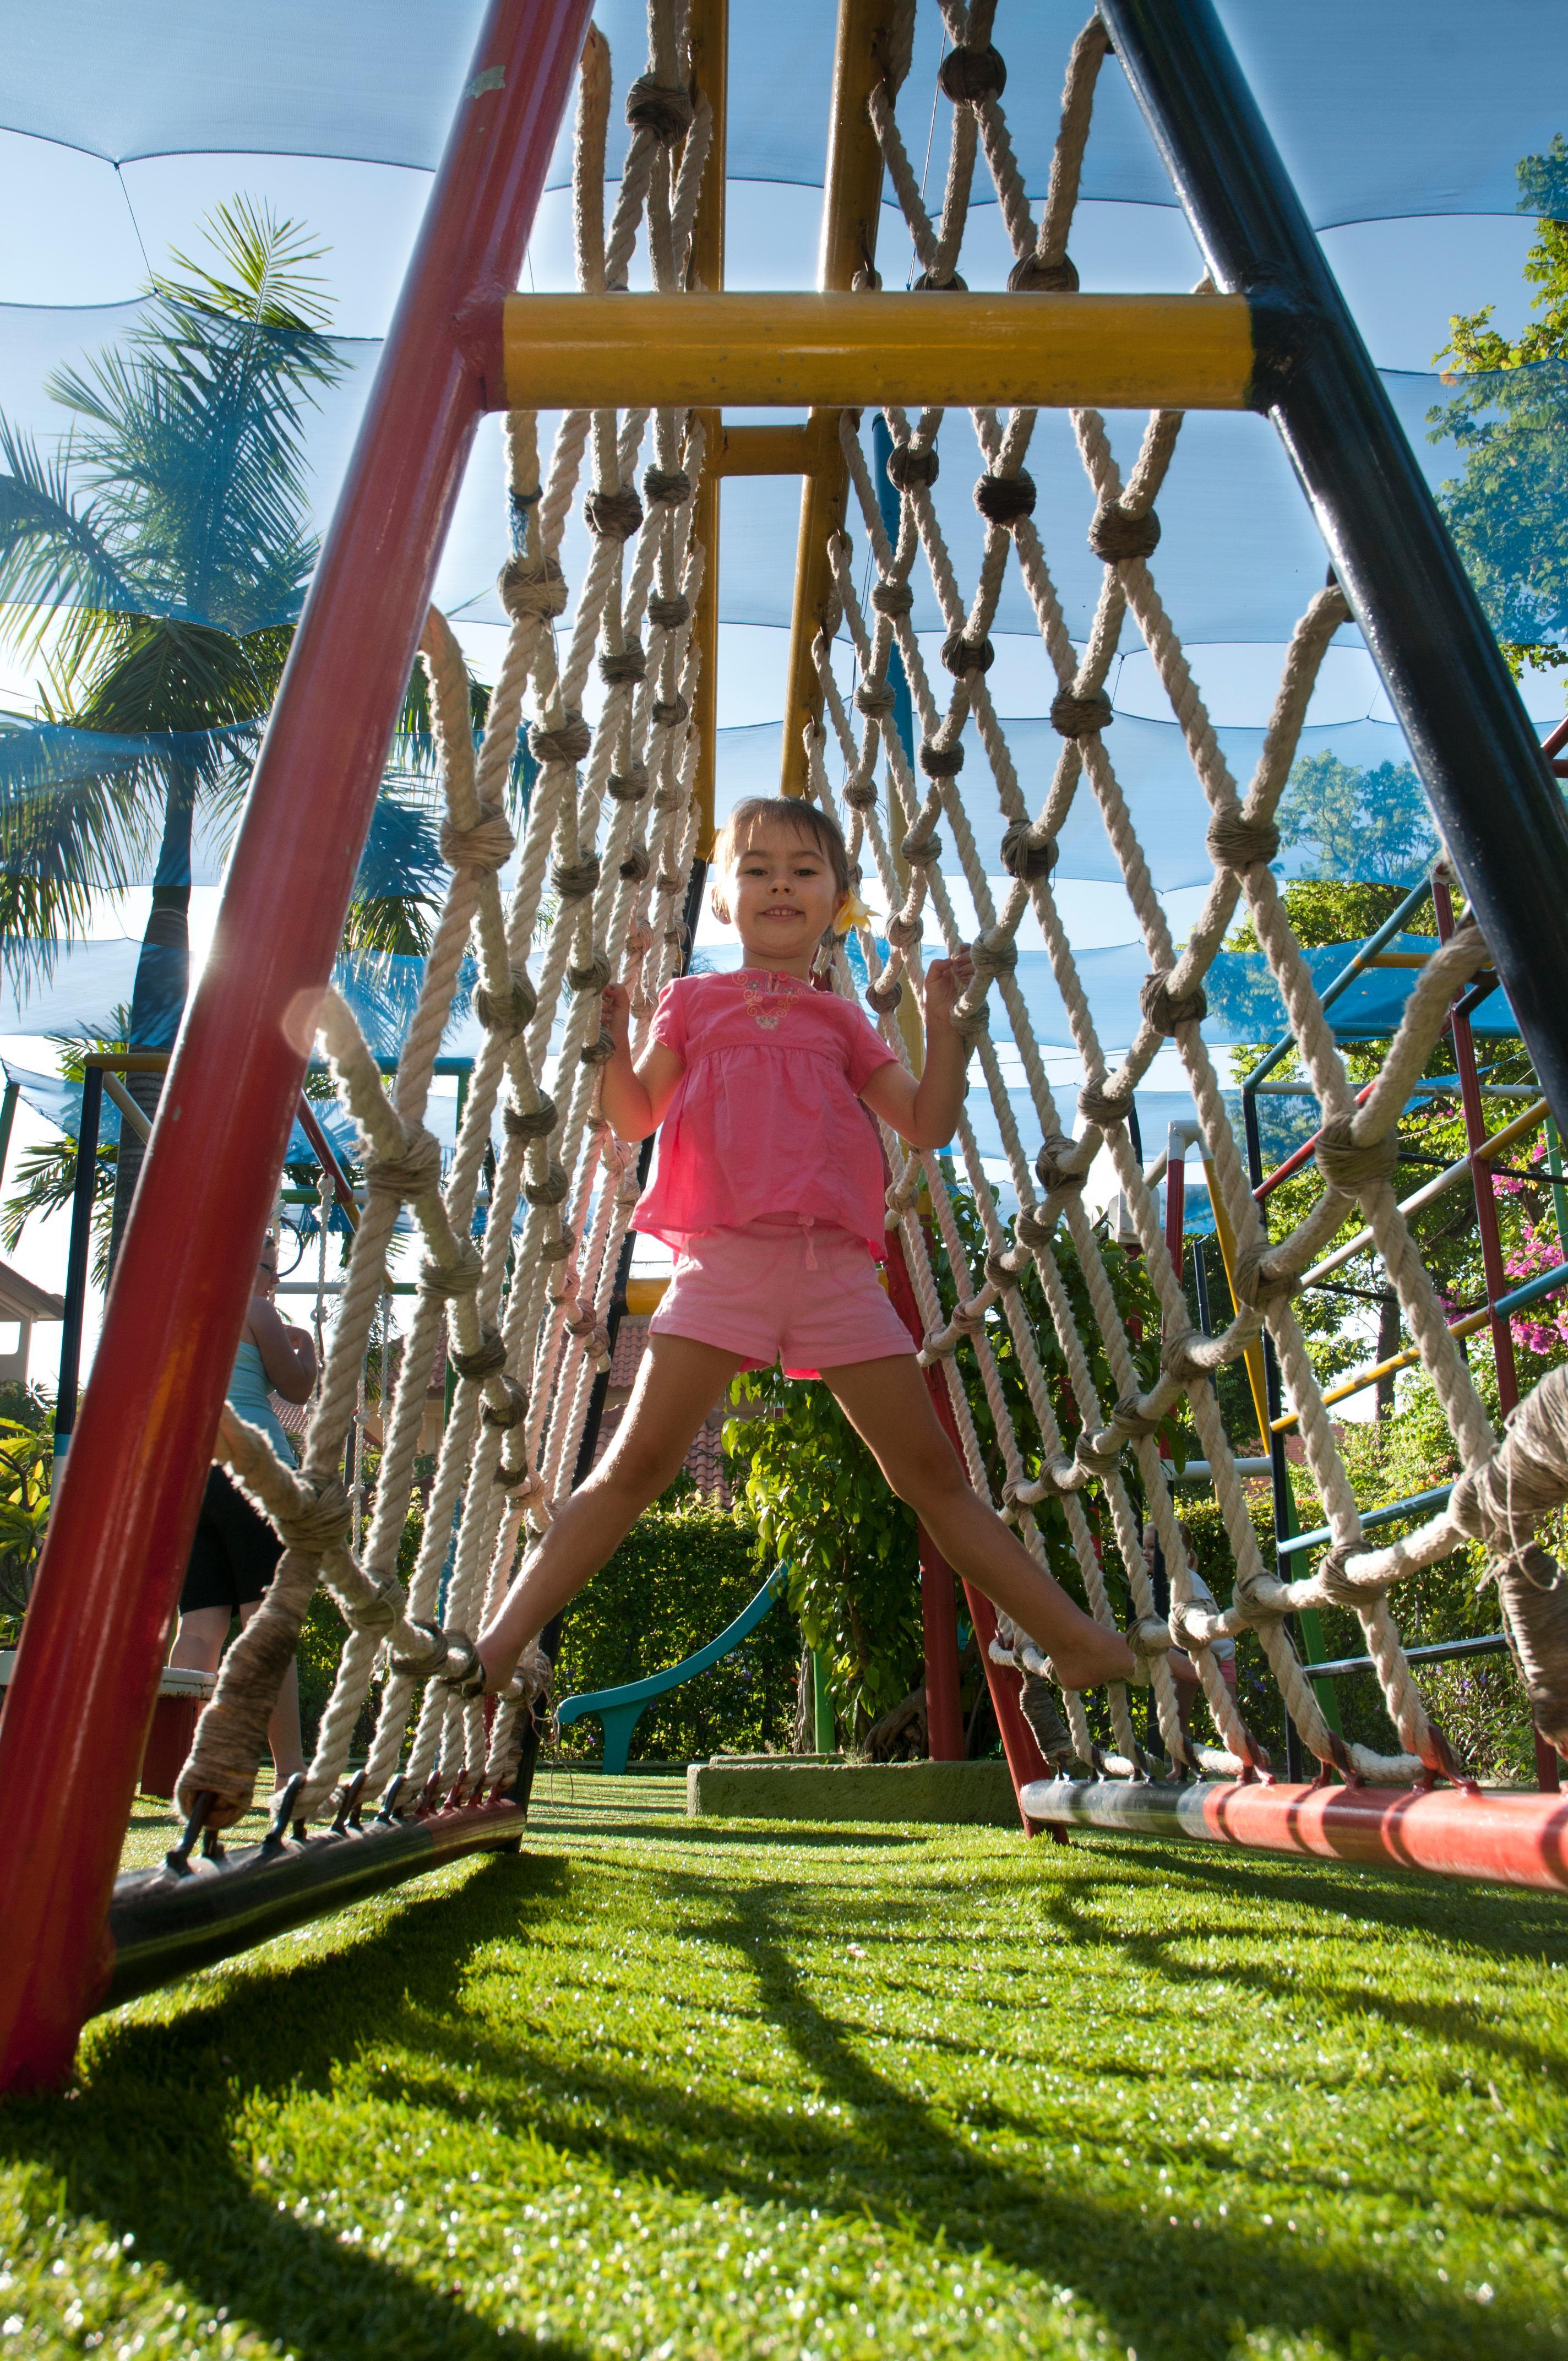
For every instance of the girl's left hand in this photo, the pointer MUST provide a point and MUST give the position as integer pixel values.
(946, 979)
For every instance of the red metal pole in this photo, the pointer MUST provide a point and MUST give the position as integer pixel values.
(78, 1709)
(1510, 1839)
(326, 1158)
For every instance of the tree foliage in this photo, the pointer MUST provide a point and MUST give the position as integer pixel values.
(1508, 510)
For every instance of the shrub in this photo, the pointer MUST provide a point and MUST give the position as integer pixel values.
(681, 1573)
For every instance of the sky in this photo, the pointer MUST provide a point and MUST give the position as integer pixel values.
(92, 230)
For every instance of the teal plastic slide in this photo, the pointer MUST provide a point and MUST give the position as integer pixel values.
(620, 1709)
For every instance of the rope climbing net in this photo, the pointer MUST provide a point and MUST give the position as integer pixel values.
(1506, 1488)
(601, 877)
(522, 1296)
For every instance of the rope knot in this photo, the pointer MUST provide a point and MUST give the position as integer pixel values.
(1053, 1169)
(1102, 1107)
(1005, 500)
(1117, 532)
(1030, 276)
(972, 75)
(318, 1519)
(921, 851)
(1236, 844)
(1027, 853)
(624, 666)
(1354, 1165)
(1178, 1352)
(665, 483)
(597, 1053)
(558, 1249)
(636, 865)
(574, 881)
(459, 1277)
(884, 994)
(942, 761)
(963, 656)
(567, 743)
(630, 787)
(1164, 1009)
(1032, 1230)
(380, 1612)
(661, 107)
(487, 846)
(550, 1190)
(1133, 1420)
(993, 953)
(1258, 1286)
(614, 515)
(926, 285)
(412, 1174)
(510, 1012)
(668, 711)
(891, 599)
(512, 1411)
(1000, 1272)
(530, 1123)
(909, 469)
(522, 1482)
(532, 586)
(861, 795)
(595, 974)
(873, 698)
(416, 1663)
(1080, 717)
(1332, 1578)
(669, 613)
(904, 932)
(486, 1360)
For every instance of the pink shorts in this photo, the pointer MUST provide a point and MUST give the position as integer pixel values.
(809, 1299)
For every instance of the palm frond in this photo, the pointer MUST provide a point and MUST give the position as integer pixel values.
(53, 551)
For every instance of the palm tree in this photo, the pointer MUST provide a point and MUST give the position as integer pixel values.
(162, 552)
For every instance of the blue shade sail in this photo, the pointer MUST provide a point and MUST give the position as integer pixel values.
(1407, 106)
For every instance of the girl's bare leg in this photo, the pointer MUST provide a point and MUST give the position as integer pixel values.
(199, 1647)
(677, 1385)
(887, 1403)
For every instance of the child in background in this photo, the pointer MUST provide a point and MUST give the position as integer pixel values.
(767, 1182)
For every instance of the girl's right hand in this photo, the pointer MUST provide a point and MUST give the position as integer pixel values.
(615, 1014)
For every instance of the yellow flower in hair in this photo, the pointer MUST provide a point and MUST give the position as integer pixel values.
(852, 912)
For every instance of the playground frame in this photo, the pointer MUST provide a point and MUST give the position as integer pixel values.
(76, 1716)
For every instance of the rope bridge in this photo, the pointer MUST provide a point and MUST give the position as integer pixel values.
(519, 1285)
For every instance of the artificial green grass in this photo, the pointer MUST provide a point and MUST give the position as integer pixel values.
(658, 2088)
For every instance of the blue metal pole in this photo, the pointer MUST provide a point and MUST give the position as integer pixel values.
(1489, 783)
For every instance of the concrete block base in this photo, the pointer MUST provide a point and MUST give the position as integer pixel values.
(976, 1795)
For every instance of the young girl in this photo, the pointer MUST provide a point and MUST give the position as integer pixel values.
(767, 1182)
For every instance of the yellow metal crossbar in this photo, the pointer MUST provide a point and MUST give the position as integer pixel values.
(1110, 352)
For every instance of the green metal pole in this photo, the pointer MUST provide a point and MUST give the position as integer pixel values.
(1553, 1165)
(821, 1703)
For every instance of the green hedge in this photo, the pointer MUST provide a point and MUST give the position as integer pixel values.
(684, 1572)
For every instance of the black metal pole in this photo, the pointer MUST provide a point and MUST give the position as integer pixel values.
(79, 1256)
(1497, 803)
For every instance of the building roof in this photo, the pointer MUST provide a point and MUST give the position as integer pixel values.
(21, 1299)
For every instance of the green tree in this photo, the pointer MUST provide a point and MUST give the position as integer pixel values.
(1370, 823)
(1509, 511)
(161, 554)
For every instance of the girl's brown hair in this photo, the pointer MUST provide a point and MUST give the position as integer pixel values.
(759, 814)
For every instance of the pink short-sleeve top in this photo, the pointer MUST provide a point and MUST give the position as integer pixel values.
(766, 1121)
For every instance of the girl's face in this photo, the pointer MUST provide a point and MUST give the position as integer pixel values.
(267, 1268)
(781, 897)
